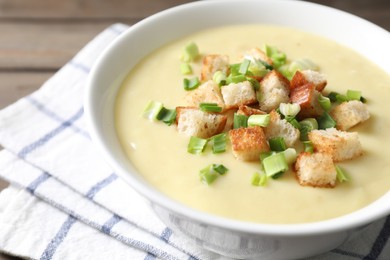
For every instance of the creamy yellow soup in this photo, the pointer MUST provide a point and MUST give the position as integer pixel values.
(159, 152)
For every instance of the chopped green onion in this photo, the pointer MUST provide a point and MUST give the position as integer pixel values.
(277, 144)
(235, 79)
(257, 69)
(278, 58)
(307, 125)
(333, 96)
(210, 173)
(354, 94)
(324, 102)
(275, 164)
(220, 78)
(168, 116)
(259, 120)
(326, 121)
(341, 98)
(264, 155)
(363, 99)
(196, 145)
(190, 52)
(290, 109)
(255, 84)
(341, 174)
(219, 143)
(190, 84)
(210, 107)
(288, 70)
(308, 146)
(266, 65)
(259, 179)
(152, 110)
(240, 121)
(185, 68)
(293, 121)
(234, 69)
(220, 168)
(290, 154)
(244, 67)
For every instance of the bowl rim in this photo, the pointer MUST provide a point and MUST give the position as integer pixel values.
(341, 223)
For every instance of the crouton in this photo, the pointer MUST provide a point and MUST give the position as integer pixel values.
(248, 111)
(349, 114)
(309, 76)
(194, 122)
(248, 143)
(256, 53)
(307, 98)
(339, 144)
(278, 127)
(213, 63)
(274, 89)
(316, 170)
(236, 94)
(208, 92)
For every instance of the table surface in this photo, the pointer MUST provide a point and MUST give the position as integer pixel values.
(40, 36)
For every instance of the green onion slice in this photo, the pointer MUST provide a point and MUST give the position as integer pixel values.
(210, 107)
(235, 79)
(326, 121)
(324, 102)
(293, 121)
(168, 116)
(220, 78)
(220, 168)
(185, 68)
(210, 173)
(190, 52)
(152, 110)
(244, 67)
(275, 164)
(196, 145)
(259, 179)
(219, 143)
(341, 174)
(259, 120)
(277, 144)
(289, 109)
(190, 84)
(290, 154)
(264, 155)
(333, 96)
(354, 94)
(308, 146)
(240, 121)
(307, 125)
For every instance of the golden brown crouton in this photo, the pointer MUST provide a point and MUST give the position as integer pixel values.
(213, 63)
(194, 122)
(349, 114)
(256, 53)
(248, 111)
(237, 94)
(248, 143)
(309, 76)
(307, 98)
(274, 89)
(281, 128)
(316, 170)
(208, 92)
(339, 144)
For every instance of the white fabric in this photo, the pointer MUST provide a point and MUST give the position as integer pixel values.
(66, 203)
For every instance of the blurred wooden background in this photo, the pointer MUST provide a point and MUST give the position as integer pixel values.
(39, 36)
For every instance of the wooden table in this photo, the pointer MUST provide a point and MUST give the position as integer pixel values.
(40, 36)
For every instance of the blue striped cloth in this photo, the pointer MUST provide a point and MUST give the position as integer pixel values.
(66, 203)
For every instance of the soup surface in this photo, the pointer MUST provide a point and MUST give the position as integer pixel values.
(159, 152)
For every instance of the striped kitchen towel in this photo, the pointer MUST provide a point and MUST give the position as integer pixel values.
(66, 203)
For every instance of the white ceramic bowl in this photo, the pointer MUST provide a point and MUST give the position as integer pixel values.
(229, 237)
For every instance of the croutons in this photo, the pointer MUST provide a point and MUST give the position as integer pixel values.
(194, 122)
(213, 63)
(248, 111)
(208, 92)
(349, 114)
(248, 143)
(281, 128)
(274, 89)
(307, 98)
(236, 94)
(339, 144)
(309, 76)
(316, 170)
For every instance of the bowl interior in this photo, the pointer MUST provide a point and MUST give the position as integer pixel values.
(157, 30)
